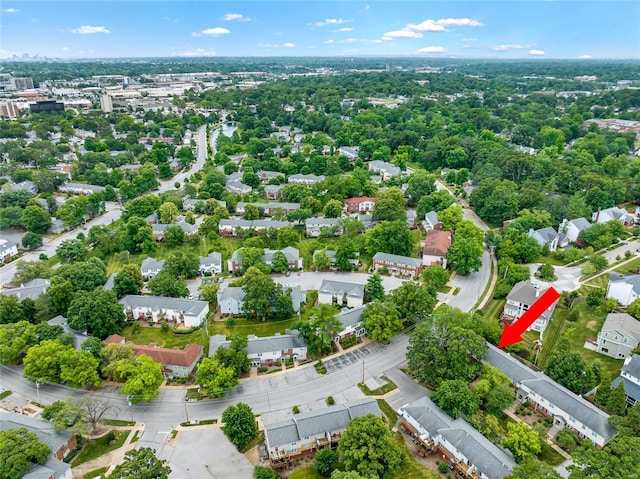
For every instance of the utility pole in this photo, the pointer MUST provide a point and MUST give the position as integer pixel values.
(186, 413)
(38, 389)
(363, 370)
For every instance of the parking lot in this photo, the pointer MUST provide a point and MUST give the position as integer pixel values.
(351, 357)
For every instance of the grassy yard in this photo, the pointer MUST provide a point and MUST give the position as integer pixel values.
(410, 467)
(552, 259)
(630, 266)
(167, 339)
(95, 473)
(308, 472)
(97, 447)
(550, 456)
(494, 308)
(382, 390)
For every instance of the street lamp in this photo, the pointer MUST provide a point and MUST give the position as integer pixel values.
(38, 389)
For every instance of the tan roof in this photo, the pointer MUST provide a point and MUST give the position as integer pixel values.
(113, 339)
(177, 357)
(437, 243)
(361, 199)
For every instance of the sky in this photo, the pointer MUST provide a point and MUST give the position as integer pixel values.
(507, 29)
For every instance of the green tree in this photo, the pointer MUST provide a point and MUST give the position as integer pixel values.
(567, 367)
(15, 341)
(235, 356)
(455, 397)
(36, 219)
(82, 276)
(96, 311)
(533, 469)
(251, 212)
(263, 297)
(31, 240)
(42, 362)
(279, 263)
(437, 201)
(465, 254)
(345, 251)
(141, 464)
(72, 251)
(420, 185)
(367, 447)
(451, 216)
(598, 261)
(113, 356)
(215, 380)
(325, 461)
(321, 260)
(173, 236)
(387, 209)
(168, 212)
(435, 276)
(546, 272)
(373, 289)
(144, 377)
(240, 425)
(183, 265)
(413, 301)
(381, 320)
(617, 401)
(20, 450)
(595, 297)
(522, 441)
(324, 322)
(499, 399)
(128, 280)
(262, 472)
(618, 460)
(337, 474)
(634, 308)
(10, 309)
(164, 284)
(333, 209)
(391, 237)
(65, 415)
(79, 369)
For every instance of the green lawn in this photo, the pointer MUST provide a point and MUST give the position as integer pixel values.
(95, 473)
(308, 472)
(630, 266)
(97, 447)
(4, 394)
(382, 390)
(550, 456)
(552, 259)
(165, 340)
(494, 308)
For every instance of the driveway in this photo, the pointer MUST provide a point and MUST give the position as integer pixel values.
(568, 277)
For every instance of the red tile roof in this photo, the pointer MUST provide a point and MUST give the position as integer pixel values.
(437, 243)
(164, 356)
(360, 200)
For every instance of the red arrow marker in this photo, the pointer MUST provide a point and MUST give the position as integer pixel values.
(513, 333)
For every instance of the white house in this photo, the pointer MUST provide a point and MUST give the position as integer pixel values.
(386, 170)
(351, 320)
(340, 293)
(431, 221)
(362, 204)
(157, 230)
(613, 214)
(350, 152)
(624, 288)
(237, 188)
(619, 335)
(151, 267)
(520, 299)
(630, 375)
(211, 263)
(269, 349)
(8, 249)
(549, 236)
(573, 228)
(315, 225)
(31, 289)
(292, 254)
(305, 179)
(80, 188)
(230, 299)
(156, 308)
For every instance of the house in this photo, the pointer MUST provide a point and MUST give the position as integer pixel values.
(386, 170)
(460, 445)
(550, 399)
(351, 320)
(624, 288)
(613, 214)
(310, 431)
(31, 289)
(80, 188)
(350, 152)
(176, 363)
(231, 227)
(435, 249)
(211, 263)
(266, 176)
(269, 349)
(237, 187)
(152, 219)
(573, 228)
(630, 375)
(268, 208)
(26, 185)
(305, 179)
(189, 204)
(619, 335)
(341, 294)
(431, 222)
(157, 230)
(314, 226)
(57, 226)
(151, 267)
(8, 249)
(111, 282)
(520, 299)
(363, 204)
(292, 254)
(79, 337)
(230, 299)
(332, 256)
(397, 265)
(157, 308)
(60, 444)
(273, 192)
(550, 237)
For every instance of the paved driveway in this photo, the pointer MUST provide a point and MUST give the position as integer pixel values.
(568, 277)
(351, 357)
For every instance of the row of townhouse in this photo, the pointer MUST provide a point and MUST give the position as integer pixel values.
(398, 265)
(154, 309)
(234, 264)
(158, 229)
(315, 226)
(268, 208)
(550, 399)
(331, 254)
(466, 451)
(266, 350)
(231, 299)
(311, 431)
(341, 294)
(233, 227)
(212, 263)
(176, 363)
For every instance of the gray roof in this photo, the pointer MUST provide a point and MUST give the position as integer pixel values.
(581, 223)
(383, 165)
(631, 389)
(93, 188)
(351, 317)
(319, 221)
(623, 323)
(187, 306)
(211, 258)
(186, 227)
(256, 345)
(31, 289)
(78, 336)
(551, 391)
(526, 293)
(273, 188)
(313, 423)
(237, 185)
(291, 253)
(432, 217)
(352, 290)
(267, 223)
(428, 415)
(235, 223)
(632, 279)
(395, 258)
(307, 178)
(151, 264)
(548, 234)
(632, 366)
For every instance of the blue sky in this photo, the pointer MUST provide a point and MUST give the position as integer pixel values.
(505, 29)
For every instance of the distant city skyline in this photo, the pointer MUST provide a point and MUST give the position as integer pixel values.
(564, 29)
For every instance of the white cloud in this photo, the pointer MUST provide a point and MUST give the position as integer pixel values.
(329, 21)
(343, 29)
(506, 48)
(426, 26)
(288, 45)
(349, 51)
(584, 57)
(65, 49)
(198, 52)
(236, 16)
(404, 33)
(469, 39)
(89, 30)
(214, 32)
(537, 53)
(277, 45)
(330, 41)
(459, 22)
(432, 49)
(10, 10)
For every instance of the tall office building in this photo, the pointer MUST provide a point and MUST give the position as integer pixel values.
(21, 83)
(106, 103)
(9, 109)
